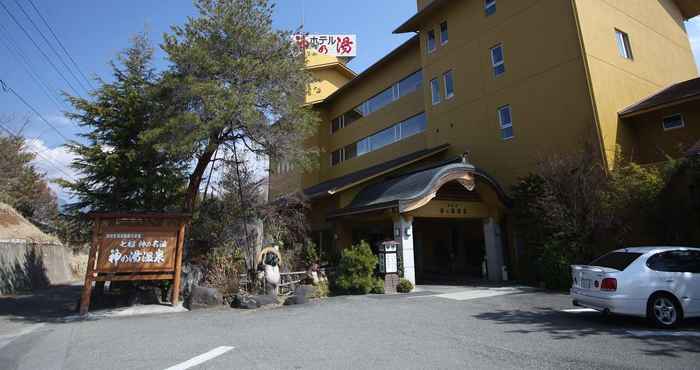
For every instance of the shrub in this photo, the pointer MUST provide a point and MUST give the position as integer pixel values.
(223, 272)
(555, 266)
(321, 290)
(309, 254)
(404, 286)
(378, 287)
(572, 209)
(356, 270)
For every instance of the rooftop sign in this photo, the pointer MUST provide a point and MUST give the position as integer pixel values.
(334, 45)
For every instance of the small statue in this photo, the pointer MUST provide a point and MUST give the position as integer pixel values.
(269, 261)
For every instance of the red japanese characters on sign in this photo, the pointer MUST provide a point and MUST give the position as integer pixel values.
(335, 45)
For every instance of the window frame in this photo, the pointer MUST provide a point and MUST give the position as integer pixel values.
(433, 90)
(663, 122)
(449, 95)
(624, 45)
(508, 125)
(431, 36)
(341, 159)
(444, 34)
(489, 7)
(494, 64)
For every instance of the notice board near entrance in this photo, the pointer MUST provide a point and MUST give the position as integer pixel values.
(133, 247)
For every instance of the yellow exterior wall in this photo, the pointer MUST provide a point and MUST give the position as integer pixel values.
(654, 143)
(662, 56)
(545, 84)
(562, 100)
(405, 63)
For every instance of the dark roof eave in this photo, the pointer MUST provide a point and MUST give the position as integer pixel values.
(677, 93)
(333, 186)
(359, 210)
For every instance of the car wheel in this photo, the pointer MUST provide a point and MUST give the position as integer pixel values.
(664, 311)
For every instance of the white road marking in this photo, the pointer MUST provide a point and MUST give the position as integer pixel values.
(216, 352)
(658, 333)
(473, 294)
(579, 310)
(7, 339)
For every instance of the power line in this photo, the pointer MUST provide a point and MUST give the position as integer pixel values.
(26, 33)
(38, 153)
(8, 42)
(77, 68)
(60, 58)
(7, 88)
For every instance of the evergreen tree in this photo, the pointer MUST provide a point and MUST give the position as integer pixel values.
(232, 76)
(22, 186)
(118, 168)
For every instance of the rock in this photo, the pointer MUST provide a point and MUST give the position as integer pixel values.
(252, 302)
(203, 297)
(190, 276)
(265, 300)
(301, 295)
(243, 302)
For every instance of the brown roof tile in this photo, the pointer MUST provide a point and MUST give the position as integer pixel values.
(680, 92)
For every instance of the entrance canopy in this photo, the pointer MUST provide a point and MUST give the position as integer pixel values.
(410, 191)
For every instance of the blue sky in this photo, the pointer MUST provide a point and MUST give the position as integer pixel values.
(95, 31)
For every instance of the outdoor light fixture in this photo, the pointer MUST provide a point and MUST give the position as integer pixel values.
(407, 232)
(397, 232)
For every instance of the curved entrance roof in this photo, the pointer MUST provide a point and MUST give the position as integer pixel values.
(410, 191)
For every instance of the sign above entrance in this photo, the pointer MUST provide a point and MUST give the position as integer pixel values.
(333, 45)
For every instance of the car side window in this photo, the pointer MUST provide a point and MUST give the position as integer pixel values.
(675, 261)
(695, 260)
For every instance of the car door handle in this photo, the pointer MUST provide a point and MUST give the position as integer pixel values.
(669, 281)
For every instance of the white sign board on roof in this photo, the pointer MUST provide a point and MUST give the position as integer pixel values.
(334, 45)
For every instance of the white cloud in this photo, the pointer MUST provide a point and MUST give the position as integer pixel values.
(55, 162)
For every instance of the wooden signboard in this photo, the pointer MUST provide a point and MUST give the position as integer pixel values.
(135, 246)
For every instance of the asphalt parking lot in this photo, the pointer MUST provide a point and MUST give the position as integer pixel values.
(436, 328)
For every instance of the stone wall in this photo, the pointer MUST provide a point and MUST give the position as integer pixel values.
(26, 266)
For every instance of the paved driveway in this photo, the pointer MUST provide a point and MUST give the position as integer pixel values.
(435, 328)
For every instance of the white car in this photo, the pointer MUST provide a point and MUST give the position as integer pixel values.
(659, 283)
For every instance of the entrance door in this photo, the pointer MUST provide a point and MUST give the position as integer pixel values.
(451, 250)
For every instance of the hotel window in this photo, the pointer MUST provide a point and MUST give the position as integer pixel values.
(444, 36)
(506, 122)
(490, 7)
(410, 84)
(337, 157)
(623, 44)
(398, 90)
(380, 100)
(497, 60)
(673, 122)
(435, 91)
(449, 85)
(431, 41)
(402, 130)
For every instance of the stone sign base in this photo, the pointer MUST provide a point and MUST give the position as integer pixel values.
(390, 283)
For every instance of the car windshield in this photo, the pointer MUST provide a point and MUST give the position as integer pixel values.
(616, 260)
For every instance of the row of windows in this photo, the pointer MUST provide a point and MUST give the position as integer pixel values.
(448, 83)
(397, 132)
(400, 89)
(444, 37)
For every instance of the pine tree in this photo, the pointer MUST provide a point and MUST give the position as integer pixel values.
(118, 168)
(233, 75)
(22, 186)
